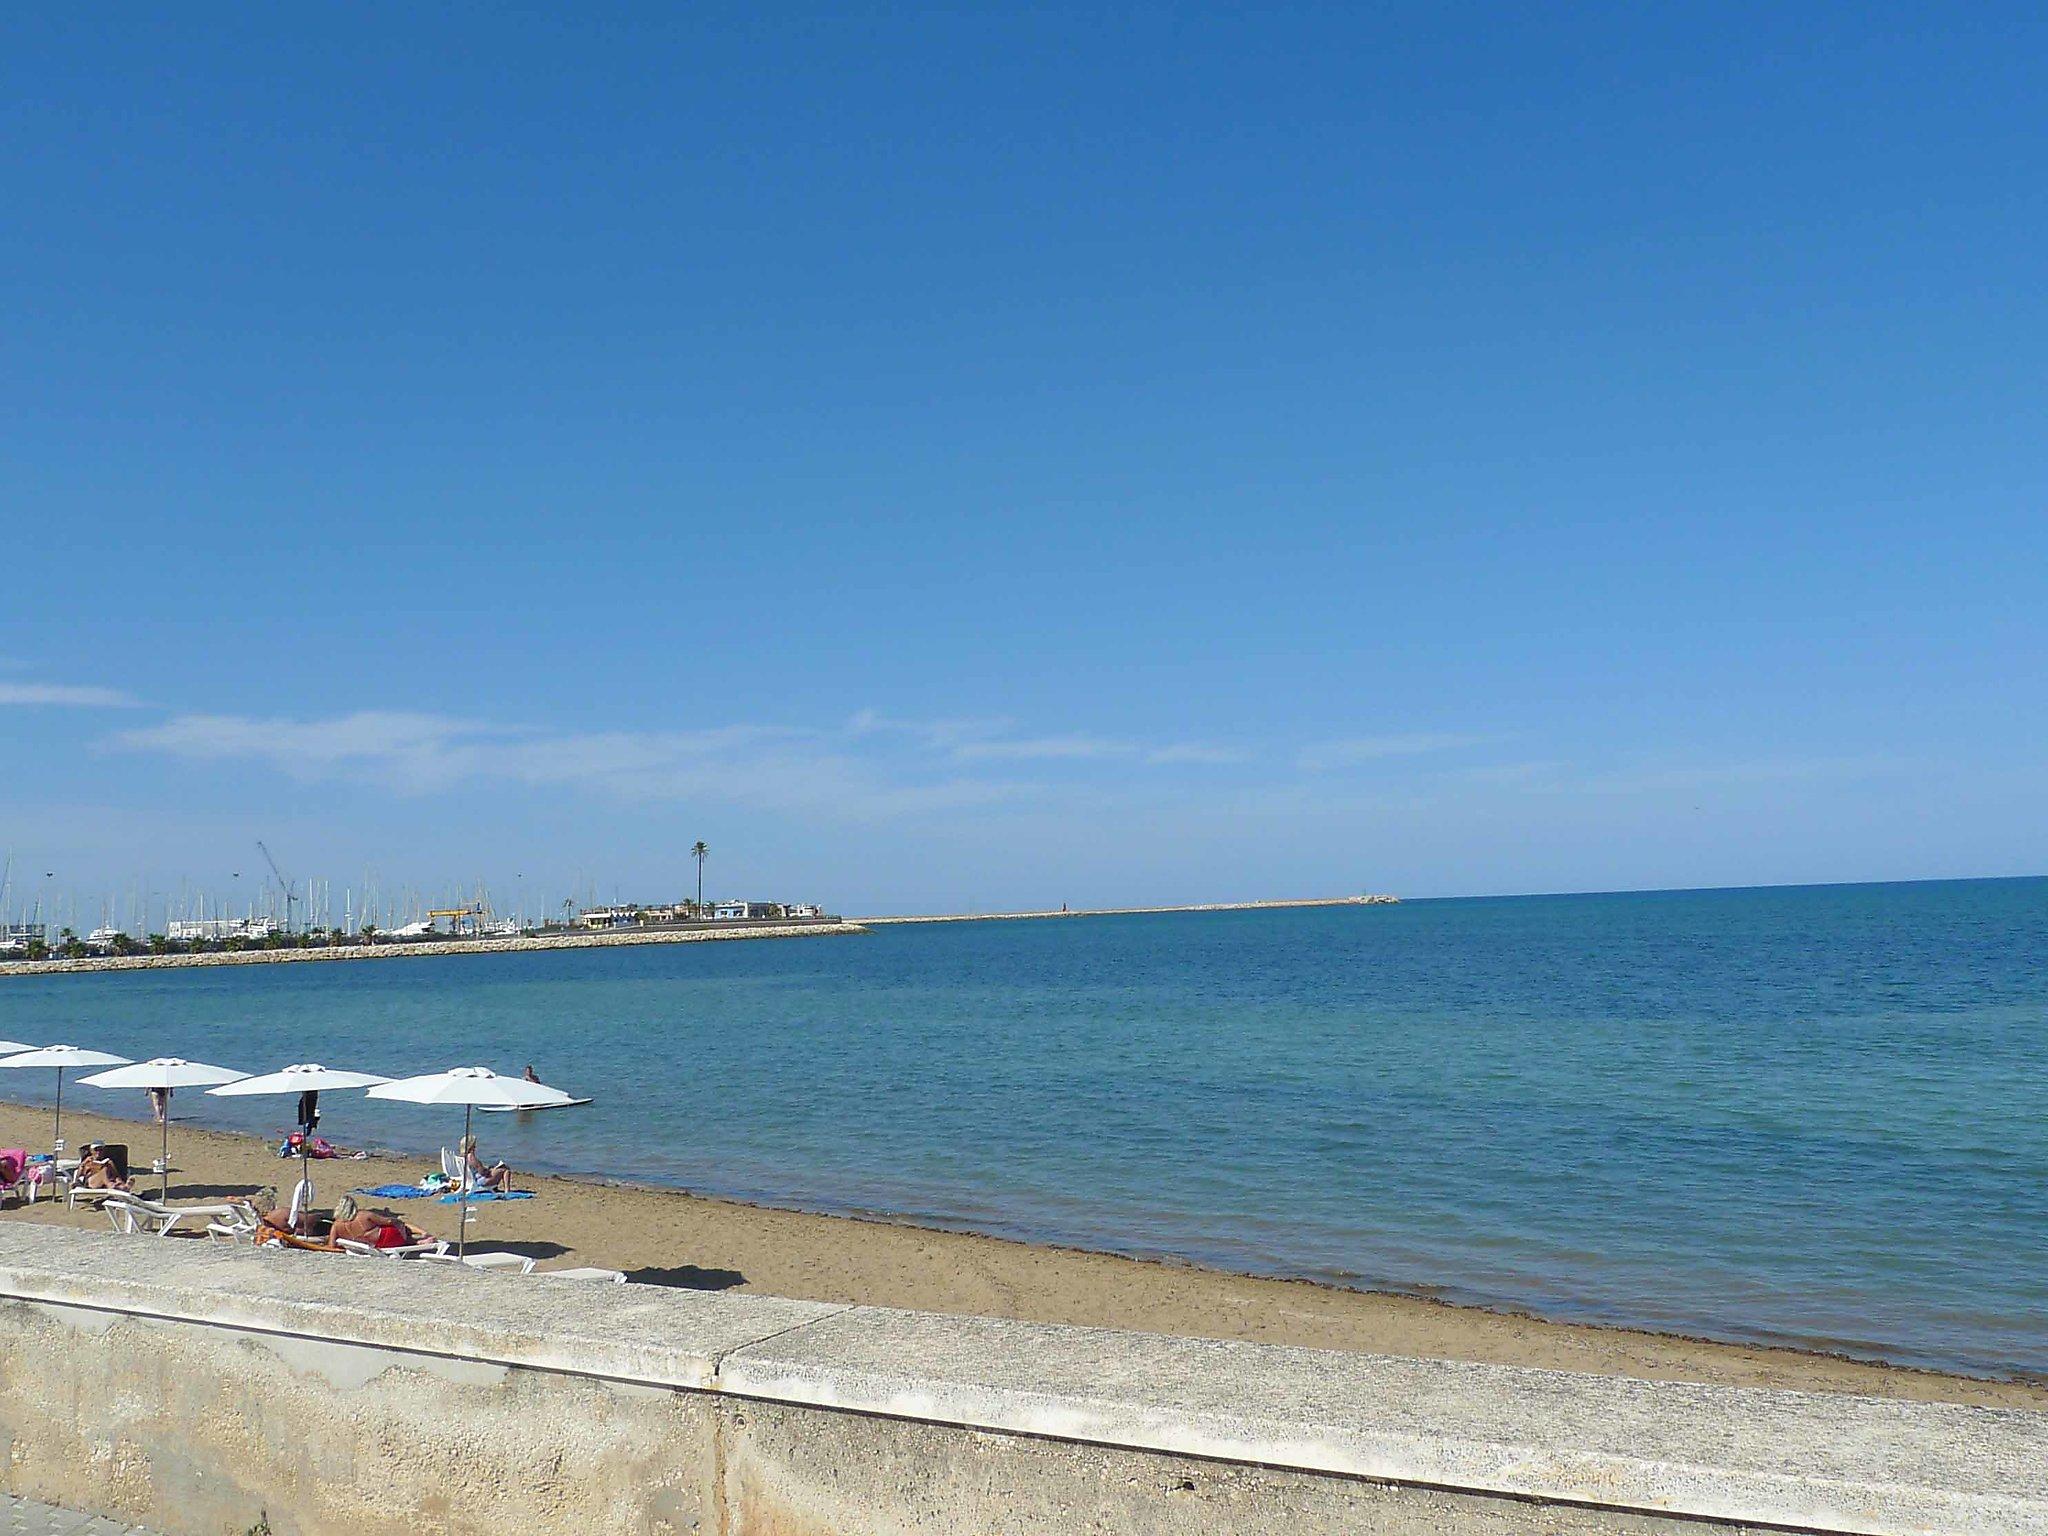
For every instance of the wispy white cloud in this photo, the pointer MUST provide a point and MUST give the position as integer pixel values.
(1043, 749)
(868, 765)
(940, 735)
(1197, 752)
(771, 767)
(400, 748)
(1554, 776)
(1353, 751)
(69, 695)
(1763, 771)
(1542, 770)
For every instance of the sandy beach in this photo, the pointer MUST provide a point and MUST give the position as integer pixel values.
(673, 1238)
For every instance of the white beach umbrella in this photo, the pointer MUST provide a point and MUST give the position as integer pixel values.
(13, 1047)
(63, 1058)
(470, 1087)
(164, 1072)
(304, 1077)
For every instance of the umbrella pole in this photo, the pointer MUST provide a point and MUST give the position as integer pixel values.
(462, 1228)
(60, 1110)
(303, 1195)
(163, 1188)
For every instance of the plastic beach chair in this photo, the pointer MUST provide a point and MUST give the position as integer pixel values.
(131, 1213)
(518, 1261)
(239, 1226)
(456, 1170)
(433, 1250)
(13, 1172)
(117, 1154)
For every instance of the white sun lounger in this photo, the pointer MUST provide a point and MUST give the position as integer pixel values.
(433, 1250)
(131, 1213)
(518, 1261)
(238, 1226)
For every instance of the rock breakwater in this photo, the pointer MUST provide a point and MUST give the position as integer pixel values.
(400, 951)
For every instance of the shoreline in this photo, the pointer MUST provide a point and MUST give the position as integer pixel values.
(402, 951)
(662, 1235)
(528, 943)
(1205, 906)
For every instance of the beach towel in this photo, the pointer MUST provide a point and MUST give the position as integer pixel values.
(481, 1195)
(396, 1192)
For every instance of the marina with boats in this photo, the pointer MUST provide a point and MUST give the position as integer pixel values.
(277, 915)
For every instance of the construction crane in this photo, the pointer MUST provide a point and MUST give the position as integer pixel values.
(455, 916)
(283, 884)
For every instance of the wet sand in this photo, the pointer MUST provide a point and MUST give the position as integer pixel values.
(671, 1238)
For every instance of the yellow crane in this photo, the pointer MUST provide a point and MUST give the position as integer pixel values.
(474, 912)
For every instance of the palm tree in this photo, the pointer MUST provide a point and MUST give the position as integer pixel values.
(698, 852)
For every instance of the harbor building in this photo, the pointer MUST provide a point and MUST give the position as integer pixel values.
(221, 928)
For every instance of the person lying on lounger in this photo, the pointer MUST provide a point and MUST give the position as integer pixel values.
(482, 1175)
(380, 1229)
(96, 1170)
(264, 1204)
(275, 1226)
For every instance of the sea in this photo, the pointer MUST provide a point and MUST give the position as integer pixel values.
(1814, 1116)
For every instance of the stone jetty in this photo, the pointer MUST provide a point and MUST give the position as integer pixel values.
(406, 951)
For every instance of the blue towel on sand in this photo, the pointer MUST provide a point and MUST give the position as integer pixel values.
(489, 1194)
(395, 1192)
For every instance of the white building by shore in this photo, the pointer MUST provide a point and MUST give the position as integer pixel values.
(221, 928)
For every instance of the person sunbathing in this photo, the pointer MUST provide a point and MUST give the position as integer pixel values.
(268, 1216)
(275, 1226)
(380, 1229)
(496, 1177)
(96, 1170)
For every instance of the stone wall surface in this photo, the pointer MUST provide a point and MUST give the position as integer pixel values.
(201, 1389)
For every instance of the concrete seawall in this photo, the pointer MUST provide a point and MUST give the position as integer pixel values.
(402, 951)
(197, 1389)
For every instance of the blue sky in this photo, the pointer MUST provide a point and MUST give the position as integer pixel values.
(997, 457)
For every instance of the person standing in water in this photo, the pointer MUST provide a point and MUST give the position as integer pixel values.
(529, 1074)
(160, 1104)
(309, 1110)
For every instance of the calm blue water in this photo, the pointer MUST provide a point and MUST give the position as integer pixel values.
(1810, 1115)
